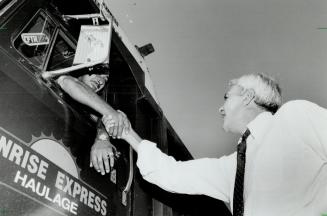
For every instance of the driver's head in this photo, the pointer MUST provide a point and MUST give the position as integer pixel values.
(95, 81)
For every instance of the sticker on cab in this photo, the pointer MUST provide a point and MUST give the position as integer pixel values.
(35, 39)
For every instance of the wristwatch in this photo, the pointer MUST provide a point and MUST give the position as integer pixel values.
(103, 137)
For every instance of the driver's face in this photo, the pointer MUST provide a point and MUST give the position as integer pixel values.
(95, 81)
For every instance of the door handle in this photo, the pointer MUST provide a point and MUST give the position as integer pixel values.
(130, 177)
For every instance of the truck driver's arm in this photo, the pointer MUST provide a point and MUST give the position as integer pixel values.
(85, 95)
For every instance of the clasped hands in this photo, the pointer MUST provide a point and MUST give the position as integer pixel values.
(116, 125)
(102, 155)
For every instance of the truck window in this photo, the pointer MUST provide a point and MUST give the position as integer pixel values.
(49, 47)
(62, 54)
(34, 40)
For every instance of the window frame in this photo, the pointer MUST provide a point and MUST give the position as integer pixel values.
(59, 30)
(66, 38)
(45, 15)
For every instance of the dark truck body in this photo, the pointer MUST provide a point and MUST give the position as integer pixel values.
(46, 136)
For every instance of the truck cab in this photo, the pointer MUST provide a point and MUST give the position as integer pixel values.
(46, 136)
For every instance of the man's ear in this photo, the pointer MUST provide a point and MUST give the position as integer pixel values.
(249, 96)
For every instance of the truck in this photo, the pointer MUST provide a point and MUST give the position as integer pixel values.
(46, 136)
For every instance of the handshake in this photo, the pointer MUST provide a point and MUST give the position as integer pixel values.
(118, 125)
(103, 153)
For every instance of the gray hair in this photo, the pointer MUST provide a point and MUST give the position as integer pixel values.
(267, 91)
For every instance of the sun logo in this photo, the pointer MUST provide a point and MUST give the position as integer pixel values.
(55, 151)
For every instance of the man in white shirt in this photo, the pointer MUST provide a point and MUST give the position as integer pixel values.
(286, 155)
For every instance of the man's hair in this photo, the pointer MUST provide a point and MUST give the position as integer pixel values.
(267, 91)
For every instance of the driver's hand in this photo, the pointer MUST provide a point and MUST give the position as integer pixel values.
(102, 156)
(115, 125)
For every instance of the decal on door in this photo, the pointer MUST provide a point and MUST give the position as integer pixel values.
(44, 176)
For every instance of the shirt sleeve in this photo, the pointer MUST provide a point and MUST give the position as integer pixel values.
(211, 177)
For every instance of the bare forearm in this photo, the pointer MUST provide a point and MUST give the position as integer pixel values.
(85, 95)
(132, 138)
(102, 134)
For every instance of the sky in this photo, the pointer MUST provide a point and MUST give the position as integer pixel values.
(201, 45)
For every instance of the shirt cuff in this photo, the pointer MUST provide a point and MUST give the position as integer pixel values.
(146, 156)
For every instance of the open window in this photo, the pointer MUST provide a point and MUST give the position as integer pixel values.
(91, 50)
(51, 48)
(46, 45)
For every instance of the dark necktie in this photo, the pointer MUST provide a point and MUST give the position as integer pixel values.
(238, 202)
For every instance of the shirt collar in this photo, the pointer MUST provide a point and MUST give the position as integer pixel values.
(259, 125)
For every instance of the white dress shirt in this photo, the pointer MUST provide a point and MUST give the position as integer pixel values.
(286, 165)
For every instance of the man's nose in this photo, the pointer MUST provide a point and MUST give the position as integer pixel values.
(221, 110)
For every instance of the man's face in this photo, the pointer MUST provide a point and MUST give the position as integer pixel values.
(231, 109)
(95, 81)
